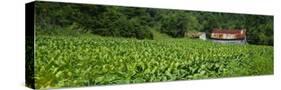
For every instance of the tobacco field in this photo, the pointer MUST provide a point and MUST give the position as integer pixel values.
(63, 61)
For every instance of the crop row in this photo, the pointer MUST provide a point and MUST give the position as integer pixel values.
(84, 61)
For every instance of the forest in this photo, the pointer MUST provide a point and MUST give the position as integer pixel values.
(133, 22)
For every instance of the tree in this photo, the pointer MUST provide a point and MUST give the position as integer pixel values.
(63, 18)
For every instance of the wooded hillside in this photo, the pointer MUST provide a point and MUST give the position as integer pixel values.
(117, 21)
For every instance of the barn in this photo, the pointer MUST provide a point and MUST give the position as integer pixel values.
(237, 36)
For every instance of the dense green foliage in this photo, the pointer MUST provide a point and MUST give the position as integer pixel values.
(63, 61)
(54, 18)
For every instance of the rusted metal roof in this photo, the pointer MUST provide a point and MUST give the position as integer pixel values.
(228, 31)
(230, 34)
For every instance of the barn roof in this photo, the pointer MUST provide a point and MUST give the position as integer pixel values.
(227, 31)
(228, 34)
